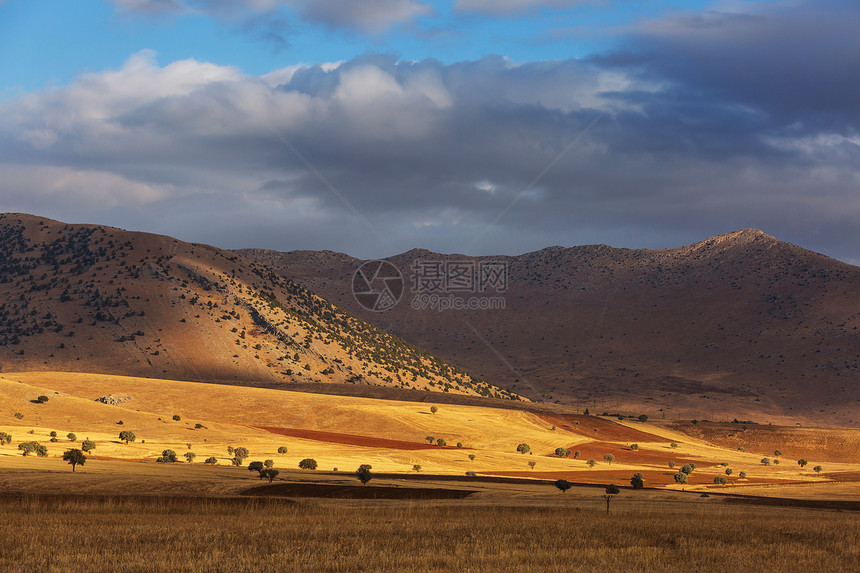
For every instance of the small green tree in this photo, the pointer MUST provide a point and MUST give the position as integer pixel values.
(256, 467)
(765, 461)
(363, 474)
(673, 445)
(802, 462)
(562, 452)
(611, 490)
(742, 475)
(721, 480)
(609, 458)
(441, 442)
(671, 464)
(42, 399)
(270, 474)
(240, 453)
(237, 461)
(430, 439)
(728, 471)
(282, 450)
(523, 448)
(591, 463)
(53, 434)
(269, 463)
(176, 418)
(308, 464)
(72, 437)
(433, 409)
(687, 468)
(5, 438)
(637, 481)
(189, 456)
(417, 468)
(576, 454)
(643, 418)
(777, 453)
(471, 457)
(28, 447)
(167, 457)
(532, 465)
(211, 461)
(681, 477)
(459, 444)
(127, 436)
(634, 447)
(817, 469)
(74, 457)
(88, 445)
(563, 485)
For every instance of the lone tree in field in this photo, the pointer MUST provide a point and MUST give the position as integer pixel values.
(523, 448)
(609, 458)
(532, 465)
(5, 438)
(127, 436)
(190, 456)
(433, 409)
(270, 474)
(282, 450)
(471, 457)
(765, 461)
(72, 437)
(576, 454)
(74, 457)
(417, 468)
(430, 440)
(42, 399)
(673, 445)
(88, 445)
(742, 475)
(363, 474)
(563, 485)
(211, 460)
(721, 480)
(802, 462)
(591, 463)
(256, 467)
(681, 477)
(728, 471)
(240, 453)
(441, 442)
(167, 457)
(687, 468)
(634, 447)
(308, 464)
(269, 463)
(671, 464)
(637, 481)
(643, 418)
(777, 453)
(611, 490)
(817, 469)
(562, 452)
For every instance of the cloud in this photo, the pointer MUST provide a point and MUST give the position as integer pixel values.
(509, 7)
(630, 148)
(371, 16)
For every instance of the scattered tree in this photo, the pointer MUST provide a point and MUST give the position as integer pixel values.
(74, 457)
(88, 445)
(591, 463)
(433, 409)
(671, 464)
(53, 434)
(611, 490)
(609, 458)
(282, 450)
(563, 485)
(270, 474)
(643, 418)
(523, 448)
(576, 454)
(240, 453)
(417, 468)
(363, 474)
(237, 461)
(190, 456)
(742, 475)
(441, 442)
(42, 399)
(430, 439)
(167, 457)
(471, 457)
(721, 480)
(29, 447)
(176, 418)
(459, 444)
(802, 462)
(308, 464)
(728, 471)
(532, 465)
(637, 481)
(681, 477)
(562, 452)
(777, 453)
(72, 437)
(269, 463)
(211, 460)
(19, 415)
(634, 447)
(765, 461)
(688, 468)
(5, 438)
(817, 469)
(127, 436)
(256, 467)
(673, 445)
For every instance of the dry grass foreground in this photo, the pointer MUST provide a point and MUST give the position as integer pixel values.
(344, 432)
(77, 534)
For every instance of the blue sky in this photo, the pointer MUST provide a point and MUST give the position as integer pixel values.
(476, 126)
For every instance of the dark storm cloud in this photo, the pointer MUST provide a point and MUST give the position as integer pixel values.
(659, 145)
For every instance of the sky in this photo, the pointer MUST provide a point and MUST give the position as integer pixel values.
(462, 126)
